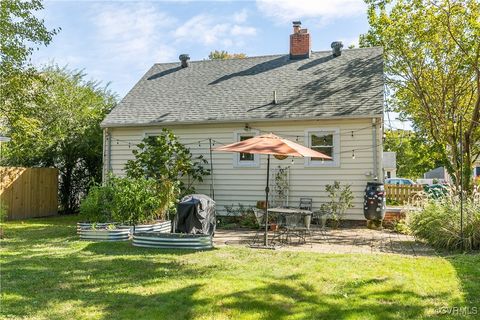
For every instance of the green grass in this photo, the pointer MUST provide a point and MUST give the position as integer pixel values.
(48, 273)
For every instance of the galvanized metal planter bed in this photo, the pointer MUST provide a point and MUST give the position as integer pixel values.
(120, 234)
(115, 232)
(172, 240)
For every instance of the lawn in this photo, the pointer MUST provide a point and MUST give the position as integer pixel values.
(48, 273)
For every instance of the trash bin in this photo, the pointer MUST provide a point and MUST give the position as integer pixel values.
(374, 201)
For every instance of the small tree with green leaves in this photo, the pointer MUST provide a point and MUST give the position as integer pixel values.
(340, 199)
(224, 55)
(167, 161)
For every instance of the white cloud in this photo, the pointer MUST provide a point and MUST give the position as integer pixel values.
(208, 30)
(243, 31)
(325, 10)
(240, 16)
(133, 32)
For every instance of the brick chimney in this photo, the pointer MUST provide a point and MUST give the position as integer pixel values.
(300, 44)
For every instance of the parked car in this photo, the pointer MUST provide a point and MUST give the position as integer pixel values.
(402, 181)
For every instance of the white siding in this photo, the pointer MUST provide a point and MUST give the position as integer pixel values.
(246, 185)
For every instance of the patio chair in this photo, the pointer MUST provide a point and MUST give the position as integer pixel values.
(295, 227)
(260, 217)
(306, 203)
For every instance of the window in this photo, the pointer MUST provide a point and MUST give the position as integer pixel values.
(245, 159)
(326, 141)
(246, 156)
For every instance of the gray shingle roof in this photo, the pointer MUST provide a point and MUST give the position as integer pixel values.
(321, 86)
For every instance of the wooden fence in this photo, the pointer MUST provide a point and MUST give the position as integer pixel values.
(401, 193)
(29, 192)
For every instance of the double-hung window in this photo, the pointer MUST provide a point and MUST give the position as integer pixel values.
(245, 159)
(326, 141)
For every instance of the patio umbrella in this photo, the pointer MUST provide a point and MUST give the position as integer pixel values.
(271, 144)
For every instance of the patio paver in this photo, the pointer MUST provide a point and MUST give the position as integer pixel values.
(348, 240)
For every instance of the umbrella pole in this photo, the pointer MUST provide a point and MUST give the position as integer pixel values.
(267, 190)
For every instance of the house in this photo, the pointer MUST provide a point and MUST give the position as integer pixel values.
(441, 175)
(331, 101)
(389, 164)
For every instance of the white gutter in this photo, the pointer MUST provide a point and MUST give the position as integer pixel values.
(173, 123)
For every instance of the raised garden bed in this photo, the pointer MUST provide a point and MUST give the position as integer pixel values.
(116, 232)
(172, 240)
(120, 234)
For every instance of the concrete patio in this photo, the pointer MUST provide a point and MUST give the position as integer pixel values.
(345, 240)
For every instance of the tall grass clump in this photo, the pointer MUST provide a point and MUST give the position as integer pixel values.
(438, 222)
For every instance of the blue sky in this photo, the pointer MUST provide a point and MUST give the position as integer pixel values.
(117, 41)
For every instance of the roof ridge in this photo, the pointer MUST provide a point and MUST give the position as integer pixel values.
(262, 56)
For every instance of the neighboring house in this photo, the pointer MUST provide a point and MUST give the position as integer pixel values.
(389, 164)
(442, 175)
(332, 103)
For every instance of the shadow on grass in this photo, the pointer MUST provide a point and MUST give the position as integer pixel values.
(126, 288)
(468, 271)
(127, 248)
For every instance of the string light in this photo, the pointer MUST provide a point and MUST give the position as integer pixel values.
(199, 144)
(353, 154)
(352, 133)
(296, 139)
(293, 162)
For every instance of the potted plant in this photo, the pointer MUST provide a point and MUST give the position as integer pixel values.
(340, 199)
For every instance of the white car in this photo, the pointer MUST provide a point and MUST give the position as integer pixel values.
(402, 181)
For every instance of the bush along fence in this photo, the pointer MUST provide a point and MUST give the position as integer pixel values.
(29, 192)
(401, 194)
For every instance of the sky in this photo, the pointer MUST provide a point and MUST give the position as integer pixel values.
(116, 42)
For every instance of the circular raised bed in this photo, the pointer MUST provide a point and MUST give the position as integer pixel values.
(94, 226)
(172, 240)
(160, 226)
(104, 234)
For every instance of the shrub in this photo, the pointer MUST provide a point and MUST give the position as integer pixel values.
(3, 216)
(138, 200)
(438, 223)
(340, 199)
(97, 205)
(242, 215)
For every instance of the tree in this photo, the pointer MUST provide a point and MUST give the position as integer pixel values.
(167, 161)
(224, 55)
(415, 154)
(65, 131)
(21, 32)
(432, 66)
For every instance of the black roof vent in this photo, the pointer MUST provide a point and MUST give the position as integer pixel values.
(337, 48)
(184, 59)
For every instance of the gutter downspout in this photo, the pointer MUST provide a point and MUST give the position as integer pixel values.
(107, 154)
(375, 153)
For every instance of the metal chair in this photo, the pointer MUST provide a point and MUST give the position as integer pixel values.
(306, 204)
(260, 217)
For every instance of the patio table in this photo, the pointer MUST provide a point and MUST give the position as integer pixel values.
(283, 212)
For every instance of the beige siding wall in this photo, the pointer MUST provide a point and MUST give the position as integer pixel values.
(235, 185)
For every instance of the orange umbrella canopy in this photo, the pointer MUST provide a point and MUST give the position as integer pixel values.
(272, 144)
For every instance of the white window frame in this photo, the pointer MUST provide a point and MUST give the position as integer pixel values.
(336, 147)
(237, 163)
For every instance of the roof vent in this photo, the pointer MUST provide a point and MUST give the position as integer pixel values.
(337, 48)
(184, 59)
